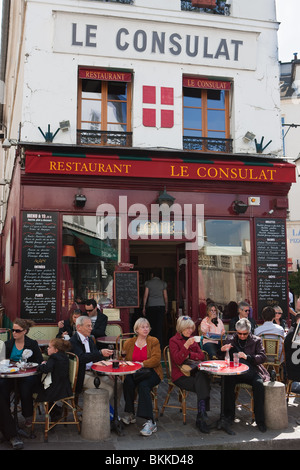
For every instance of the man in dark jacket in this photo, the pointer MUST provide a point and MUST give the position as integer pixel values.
(98, 319)
(243, 312)
(84, 347)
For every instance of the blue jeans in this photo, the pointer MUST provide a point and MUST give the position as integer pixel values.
(144, 408)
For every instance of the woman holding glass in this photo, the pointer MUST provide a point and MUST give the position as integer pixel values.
(15, 348)
(183, 346)
(145, 349)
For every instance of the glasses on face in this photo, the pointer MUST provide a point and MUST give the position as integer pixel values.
(247, 310)
(242, 334)
(89, 309)
(16, 331)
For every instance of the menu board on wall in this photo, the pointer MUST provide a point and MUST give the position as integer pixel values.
(271, 263)
(126, 289)
(39, 266)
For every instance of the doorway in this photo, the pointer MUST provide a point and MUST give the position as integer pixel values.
(170, 259)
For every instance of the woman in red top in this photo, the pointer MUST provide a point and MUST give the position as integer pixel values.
(146, 350)
(183, 346)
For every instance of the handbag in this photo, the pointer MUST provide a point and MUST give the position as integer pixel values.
(189, 367)
(141, 374)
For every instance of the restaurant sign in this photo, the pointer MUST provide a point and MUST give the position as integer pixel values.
(155, 167)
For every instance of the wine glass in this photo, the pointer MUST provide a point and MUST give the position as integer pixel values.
(123, 354)
(111, 348)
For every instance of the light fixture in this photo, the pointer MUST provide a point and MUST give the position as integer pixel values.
(7, 143)
(64, 125)
(69, 251)
(165, 198)
(249, 136)
(49, 136)
(239, 207)
(80, 200)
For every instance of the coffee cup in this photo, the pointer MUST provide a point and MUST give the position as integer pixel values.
(197, 339)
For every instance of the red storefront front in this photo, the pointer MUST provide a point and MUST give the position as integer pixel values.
(66, 197)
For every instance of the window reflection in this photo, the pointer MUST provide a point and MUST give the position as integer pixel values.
(224, 264)
(88, 270)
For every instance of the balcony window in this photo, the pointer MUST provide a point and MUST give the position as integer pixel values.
(206, 115)
(221, 8)
(104, 114)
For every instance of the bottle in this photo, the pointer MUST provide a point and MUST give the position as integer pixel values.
(227, 358)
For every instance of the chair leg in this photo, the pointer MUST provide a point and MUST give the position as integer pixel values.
(46, 407)
(167, 399)
(183, 403)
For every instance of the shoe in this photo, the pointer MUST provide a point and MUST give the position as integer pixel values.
(129, 418)
(16, 443)
(148, 428)
(201, 423)
(262, 427)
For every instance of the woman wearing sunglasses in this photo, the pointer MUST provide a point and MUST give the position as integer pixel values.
(14, 350)
(251, 352)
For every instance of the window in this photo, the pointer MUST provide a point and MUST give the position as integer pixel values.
(104, 111)
(206, 115)
(224, 264)
(89, 260)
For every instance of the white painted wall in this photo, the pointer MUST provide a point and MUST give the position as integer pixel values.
(51, 64)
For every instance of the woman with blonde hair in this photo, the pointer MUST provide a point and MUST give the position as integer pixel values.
(182, 347)
(145, 349)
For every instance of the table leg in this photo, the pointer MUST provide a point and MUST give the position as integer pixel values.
(116, 424)
(223, 423)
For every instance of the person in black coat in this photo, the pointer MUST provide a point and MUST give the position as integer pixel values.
(14, 350)
(98, 319)
(58, 366)
(68, 327)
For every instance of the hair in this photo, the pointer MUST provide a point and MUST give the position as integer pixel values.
(80, 320)
(243, 304)
(24, 324)
(268, 313)
(60, 344)
(210, 306)
(76, 311)
(156, 272)
(91, 302)
(277, 308)
(243, 324)
(139, 323)
(184, 322)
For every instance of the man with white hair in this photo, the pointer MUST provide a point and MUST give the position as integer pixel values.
(86, 350)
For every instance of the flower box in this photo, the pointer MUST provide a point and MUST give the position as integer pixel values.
(204, 3)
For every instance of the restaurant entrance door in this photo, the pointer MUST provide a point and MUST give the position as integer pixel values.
(170, 259)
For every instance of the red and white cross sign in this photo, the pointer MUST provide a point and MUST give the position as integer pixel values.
(158, 106)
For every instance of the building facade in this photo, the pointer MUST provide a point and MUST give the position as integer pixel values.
(114, 108)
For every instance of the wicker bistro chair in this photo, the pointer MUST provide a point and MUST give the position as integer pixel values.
(182, 394)
(68, 403)
(5, 334)
(275, 358)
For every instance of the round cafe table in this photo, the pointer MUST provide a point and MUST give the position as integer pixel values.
(21, 373)
(125, 368)
(223, 370)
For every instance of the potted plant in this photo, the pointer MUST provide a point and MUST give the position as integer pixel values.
(204, 3)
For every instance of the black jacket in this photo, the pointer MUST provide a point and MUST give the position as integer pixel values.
(29, 344)
(236, 319)
(84, 358)
(58, 365)
(292, 356)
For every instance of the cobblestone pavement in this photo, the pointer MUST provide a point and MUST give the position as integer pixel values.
(172, 435)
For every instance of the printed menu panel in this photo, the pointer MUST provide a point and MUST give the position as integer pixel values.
(126, 289)
(39, 266)
(271, 263)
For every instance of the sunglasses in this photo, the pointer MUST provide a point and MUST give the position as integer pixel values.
(89, 309)
(247, 310)
(242, 334)
(186, 318)
(16, 331)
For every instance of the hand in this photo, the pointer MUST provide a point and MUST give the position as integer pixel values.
(242, 355)
(106, 352)
(226, 347)
(60, 324)
(189, 342)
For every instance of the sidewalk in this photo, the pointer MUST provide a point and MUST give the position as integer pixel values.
(173, 435)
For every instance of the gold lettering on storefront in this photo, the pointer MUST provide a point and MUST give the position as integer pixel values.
(89, 167)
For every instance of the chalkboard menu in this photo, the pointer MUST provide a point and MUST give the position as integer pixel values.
(271, 263)
(39, 266)
(126, 289)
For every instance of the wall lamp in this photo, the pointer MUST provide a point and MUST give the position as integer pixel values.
(80, 200)
(7, 143)
(165, 198)
(239, 207)
(249, 136)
